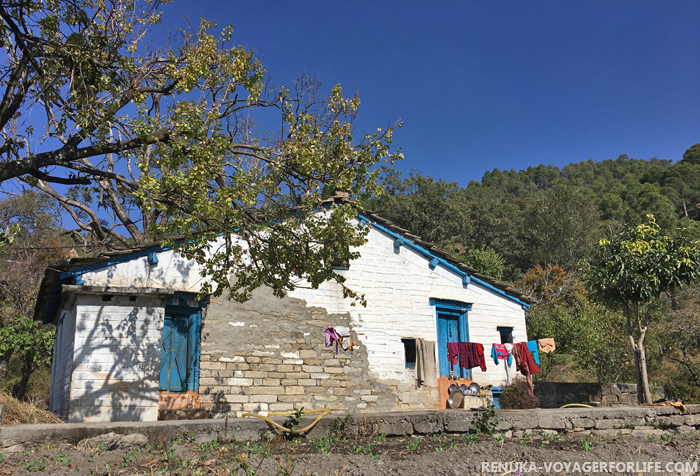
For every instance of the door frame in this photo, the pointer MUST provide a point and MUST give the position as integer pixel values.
(449, 310)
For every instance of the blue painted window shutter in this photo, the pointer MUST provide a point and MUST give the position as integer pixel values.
(179, 366)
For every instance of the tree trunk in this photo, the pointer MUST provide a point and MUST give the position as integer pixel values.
(638, 376)
(645, 377)
(27, 369)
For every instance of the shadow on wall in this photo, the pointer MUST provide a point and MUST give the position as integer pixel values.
(116, 363)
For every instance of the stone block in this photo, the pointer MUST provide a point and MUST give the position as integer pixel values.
(582, 423)
(252, 374)
(263, 398)
(294, 390)
(671, 421)
(333, 370)
(397, 429)
(242, 382)
(320, 376)
(270, 382)
(312, 368)
(307, 382)
(609, 432)
(317, 390)
(552, 422)
(265, 390)
(427, 426)
(692, 420)
(609, 424)
(459, 425)
(341, 391)
(289, 381)
(639, 433)
(308, 354)
(295, 398)
(285, 368)
(281, 407)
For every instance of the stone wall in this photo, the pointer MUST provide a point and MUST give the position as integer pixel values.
(556, 394)
(269, 354)
(634, 421)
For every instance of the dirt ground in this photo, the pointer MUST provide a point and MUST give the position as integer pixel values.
(372, 456)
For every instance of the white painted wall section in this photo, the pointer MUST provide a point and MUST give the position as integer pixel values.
(116, 362)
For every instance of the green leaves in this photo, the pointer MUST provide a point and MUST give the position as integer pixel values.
(639, 263)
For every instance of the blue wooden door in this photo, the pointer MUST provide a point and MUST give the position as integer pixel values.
(173, 367)
(451, 328)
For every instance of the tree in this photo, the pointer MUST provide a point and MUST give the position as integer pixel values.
(484, 260)
(632, 269)
(31, 343)
(140, 143)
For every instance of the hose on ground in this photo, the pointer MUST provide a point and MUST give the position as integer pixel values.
(322, 412)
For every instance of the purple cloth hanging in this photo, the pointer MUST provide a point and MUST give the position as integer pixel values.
(332, 336)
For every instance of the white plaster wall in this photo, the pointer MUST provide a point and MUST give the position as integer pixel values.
(116, 363)
(398, 285)
(59, 394)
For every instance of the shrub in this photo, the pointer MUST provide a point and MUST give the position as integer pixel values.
(515, 396)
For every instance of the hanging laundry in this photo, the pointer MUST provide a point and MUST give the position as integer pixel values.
(452, 354)
(532, 347)
(546, 345)
(341, 336)
(344, 340)
(525, 364)
(500, 351)
(426, 365)
(471, 354)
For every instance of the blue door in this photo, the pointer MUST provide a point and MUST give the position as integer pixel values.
(180, 350)
(451, 327)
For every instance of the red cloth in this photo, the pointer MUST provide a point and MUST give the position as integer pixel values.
(471, 354)
(525, 364)
(452, 353)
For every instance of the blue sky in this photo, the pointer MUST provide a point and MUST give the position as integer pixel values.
(491, 84)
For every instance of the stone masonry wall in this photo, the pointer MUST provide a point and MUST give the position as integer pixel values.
(269, 354)
(556, 394)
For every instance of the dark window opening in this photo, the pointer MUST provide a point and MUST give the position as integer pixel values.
(340, 260)
(132, 298)
(506, 334)
(409, 347)
(106, 298)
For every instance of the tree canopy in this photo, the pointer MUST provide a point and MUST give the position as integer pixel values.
(143, 139)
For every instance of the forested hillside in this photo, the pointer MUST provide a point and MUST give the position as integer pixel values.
(537, 227)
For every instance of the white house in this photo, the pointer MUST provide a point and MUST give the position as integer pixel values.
(131, 339)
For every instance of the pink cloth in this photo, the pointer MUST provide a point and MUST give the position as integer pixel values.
(332, 336)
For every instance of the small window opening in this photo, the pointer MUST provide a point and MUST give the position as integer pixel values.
(132, 298)
(506, 334)
(340, 262)
(106, 297)
(409, 347)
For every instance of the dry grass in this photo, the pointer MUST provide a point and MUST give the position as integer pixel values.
(18, 413)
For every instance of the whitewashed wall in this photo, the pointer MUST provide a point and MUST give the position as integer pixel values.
(398, 285)
(61, 370)
(116, 362)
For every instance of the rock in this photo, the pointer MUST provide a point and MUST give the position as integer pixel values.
(113, 441)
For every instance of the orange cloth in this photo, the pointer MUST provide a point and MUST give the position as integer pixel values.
(546, 346)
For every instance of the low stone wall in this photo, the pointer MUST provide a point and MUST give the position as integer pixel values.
(635, 421)
(556, 394)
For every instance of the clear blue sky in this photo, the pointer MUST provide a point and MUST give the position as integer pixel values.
(491, 84)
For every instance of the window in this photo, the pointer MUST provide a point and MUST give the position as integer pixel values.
(506, 334)
(409, 348)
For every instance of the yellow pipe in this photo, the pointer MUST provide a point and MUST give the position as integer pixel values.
(576, 405)
(323, 412)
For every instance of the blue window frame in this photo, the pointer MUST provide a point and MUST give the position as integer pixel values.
(452, 327)
(179, 366)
